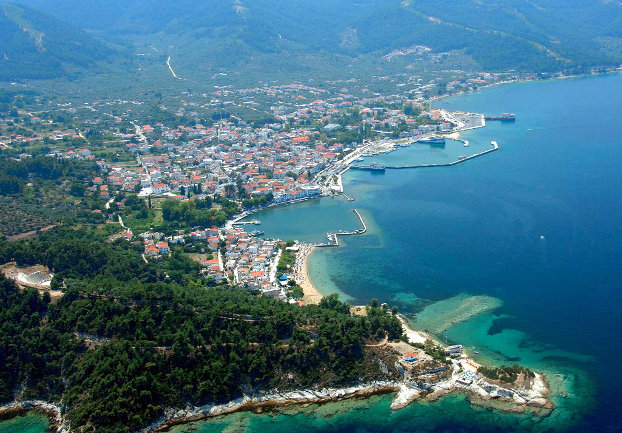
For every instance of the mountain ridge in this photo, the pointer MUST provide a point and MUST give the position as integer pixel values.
(209, 36)
(35, 45)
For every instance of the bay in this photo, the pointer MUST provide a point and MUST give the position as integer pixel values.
(515, 255)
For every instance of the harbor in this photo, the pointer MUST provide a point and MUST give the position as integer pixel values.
(253, 222)
(461, 159)
(380, 168)
(333, 238)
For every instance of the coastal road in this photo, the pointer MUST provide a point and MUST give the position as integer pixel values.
(273, 266)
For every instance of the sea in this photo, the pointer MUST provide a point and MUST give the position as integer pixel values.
(515, 254)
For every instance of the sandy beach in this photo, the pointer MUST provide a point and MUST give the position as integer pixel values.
(311, 294)
(413, 335)
(453, 135)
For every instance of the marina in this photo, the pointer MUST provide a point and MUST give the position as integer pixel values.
(461, 158)
(253, 222)
(333, 238)
(379, 167)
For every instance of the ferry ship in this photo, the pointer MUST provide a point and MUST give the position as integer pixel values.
(504, 117)
(374, 166)
(432, 140)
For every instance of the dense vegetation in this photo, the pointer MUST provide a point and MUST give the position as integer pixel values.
(506, 373)
(15, 174)
(530, 36)
(37, 192)
(76, 254)
(287, 259)
(129, 338)
(204, 212)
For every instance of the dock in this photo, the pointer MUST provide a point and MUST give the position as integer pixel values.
(254, 222)
(495, 146)
(333, 238)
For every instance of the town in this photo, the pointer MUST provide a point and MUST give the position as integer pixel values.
(200, 152)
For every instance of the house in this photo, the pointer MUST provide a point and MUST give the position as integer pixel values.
(151, 250)
(411, 357)
(163, 247)
(160, 188)
(211, 263)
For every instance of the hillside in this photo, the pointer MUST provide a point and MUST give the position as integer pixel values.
(125, 342)
(36, 45)
(495, 35)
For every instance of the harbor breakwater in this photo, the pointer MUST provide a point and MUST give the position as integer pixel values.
(495, 146)
(333, 238)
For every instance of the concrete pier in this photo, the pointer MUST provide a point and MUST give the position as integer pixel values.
(254, 222)
(333, 238)
(448, 164)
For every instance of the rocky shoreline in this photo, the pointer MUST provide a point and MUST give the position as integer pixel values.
(20, 408)
(268, 401)
(534, 399)
(405, 394)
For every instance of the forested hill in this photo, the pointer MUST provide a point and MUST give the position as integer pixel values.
(534, 35)
(130, 339)
(36, 45)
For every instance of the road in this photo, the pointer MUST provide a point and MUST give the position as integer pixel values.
(168, 63)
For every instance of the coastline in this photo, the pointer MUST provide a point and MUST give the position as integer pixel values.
(52, 411)
(408, 393)
(404, 395)
(267, 404)
(530, 395)
(312, 295)
(264, 402)
(608, 71)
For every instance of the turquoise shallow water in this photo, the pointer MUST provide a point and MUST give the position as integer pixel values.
(515, 255)
(29, 423)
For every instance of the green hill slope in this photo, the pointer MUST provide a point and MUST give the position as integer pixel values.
(36, 45)
(535, 35)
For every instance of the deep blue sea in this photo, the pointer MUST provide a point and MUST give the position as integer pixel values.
(516, 254)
